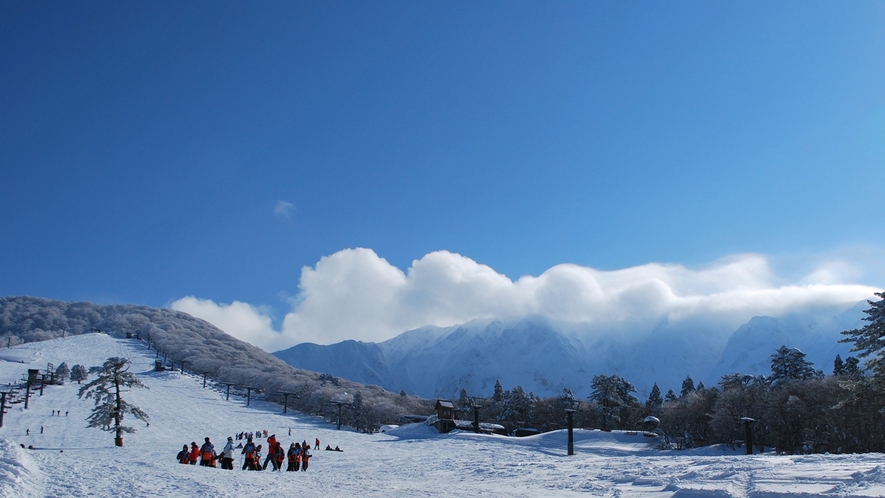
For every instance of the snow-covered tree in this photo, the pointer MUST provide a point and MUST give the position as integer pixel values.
(687, 386)
(612, 396)
(735, 381)
(869, 340)
(464, 404)
(654, 397)
(358, 412)
(79, 373)
(62, 372)
(110, 407)
(670, 396)
(498, 394)
(790, 364)
(517, 405)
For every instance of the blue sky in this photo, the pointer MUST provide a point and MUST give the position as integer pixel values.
(156, 150)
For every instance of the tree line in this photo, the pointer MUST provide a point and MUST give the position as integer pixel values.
(797, 409)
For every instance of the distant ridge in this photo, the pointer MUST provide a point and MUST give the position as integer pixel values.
(544, 357)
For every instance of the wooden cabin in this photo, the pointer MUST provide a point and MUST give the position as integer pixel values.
(445, 414)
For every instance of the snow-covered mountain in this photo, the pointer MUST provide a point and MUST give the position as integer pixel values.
(545, 357)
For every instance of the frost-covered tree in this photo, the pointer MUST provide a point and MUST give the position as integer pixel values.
(62, 372)
(498, 395)
(670, 396)
(464, 404)
(79, 374)
(869, 340)
(687, 386)
(517, 405)
(654, 397)
(110, 407)
(612, 395)
(790, 364)
(358, 412)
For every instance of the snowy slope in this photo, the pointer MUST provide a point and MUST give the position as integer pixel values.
(71, 460)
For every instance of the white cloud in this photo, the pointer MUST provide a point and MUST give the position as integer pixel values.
(355, 294)
(283, 209)
(241, 320)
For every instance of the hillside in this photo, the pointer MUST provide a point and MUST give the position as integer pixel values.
(69, 459)
(200, 347)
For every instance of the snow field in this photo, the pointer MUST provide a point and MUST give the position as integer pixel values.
(413, 460)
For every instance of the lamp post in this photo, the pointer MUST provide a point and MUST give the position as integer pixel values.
(476, 404)
(570, 409)
(748, 433)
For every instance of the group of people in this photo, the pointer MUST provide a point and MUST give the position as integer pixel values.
(206, 454)
(250, 435)
(298, 455)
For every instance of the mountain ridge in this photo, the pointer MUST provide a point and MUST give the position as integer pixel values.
(544, 357)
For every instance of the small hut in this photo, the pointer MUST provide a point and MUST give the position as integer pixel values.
(445, 415)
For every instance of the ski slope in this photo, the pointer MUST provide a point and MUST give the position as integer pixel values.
(414, 461)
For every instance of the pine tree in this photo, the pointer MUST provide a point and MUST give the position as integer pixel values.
(62, 372)
(869, 340)
(464, 404)
(790, 364)
(687, 386)
(110, 407)
(612, 396)
(654, 397)
(498, 395)
(670, 396)
(838, 366)
(79, 374)
(517, 405)
(851, 368)
(358, 411)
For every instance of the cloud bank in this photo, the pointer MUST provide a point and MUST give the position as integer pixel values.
(355, 294)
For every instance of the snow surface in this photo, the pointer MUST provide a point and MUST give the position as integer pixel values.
(411, 460)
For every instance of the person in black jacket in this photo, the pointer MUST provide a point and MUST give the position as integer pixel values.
(184, 456)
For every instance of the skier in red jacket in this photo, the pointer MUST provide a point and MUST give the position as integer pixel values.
(195, 453)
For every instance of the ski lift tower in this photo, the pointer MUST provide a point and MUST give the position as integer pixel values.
(341, 400)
